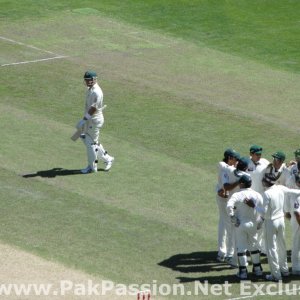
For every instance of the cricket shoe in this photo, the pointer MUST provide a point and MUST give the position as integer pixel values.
(231, 261)
(297, 273)
(257, 271)
(242, 275)
(109, 164)
(88, 170)
(285, 274)
(270, 277)
(220, 258)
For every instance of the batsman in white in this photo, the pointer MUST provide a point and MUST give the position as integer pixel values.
(91, 123)
(246, 221)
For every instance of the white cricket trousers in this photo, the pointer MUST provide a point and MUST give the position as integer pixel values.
(225, 229)
(276, 247)
(261, 239)
(91, 141)
(246, 239)
(296, 245)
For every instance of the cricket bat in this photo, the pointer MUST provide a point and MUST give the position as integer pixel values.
(78, 132)
(76, 135)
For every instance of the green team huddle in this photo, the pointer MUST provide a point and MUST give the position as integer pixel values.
(255, 197)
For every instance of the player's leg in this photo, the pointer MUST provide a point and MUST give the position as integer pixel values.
(272, 251)
(94, 131)
(253, 248)
(295, 247)
(261, 240)
(241, 246)
(257, 268)
(91, 154)
(108, 159)
(230, 257)
(221, 202)
(281, 248)
(229, 233)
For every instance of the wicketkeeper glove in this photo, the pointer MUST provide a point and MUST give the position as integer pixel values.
(235, 221)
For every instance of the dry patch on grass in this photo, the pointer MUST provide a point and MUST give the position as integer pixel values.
(21, 269)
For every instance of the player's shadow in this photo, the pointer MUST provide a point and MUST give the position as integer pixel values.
(53, 173)
(198, 262)
(202, 266)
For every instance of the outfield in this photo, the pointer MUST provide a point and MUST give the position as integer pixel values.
(182, 82)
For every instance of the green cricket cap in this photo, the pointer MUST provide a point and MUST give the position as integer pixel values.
(244, 161)
(231, 153)
(246, 179)
(279, 155)
(256, 149)
(297, 153)
(90, 75)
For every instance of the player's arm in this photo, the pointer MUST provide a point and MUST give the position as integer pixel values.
(231, 205)
(230, 186)
(291, 193)
(92, 109)
(287, 207)
(260, 205)
(230, 210)
(227, 186)
(297, 210)
(90, 112)
(87, 116)
(224, 178)
(297, 215)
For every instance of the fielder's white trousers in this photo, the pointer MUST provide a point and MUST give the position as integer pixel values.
(276, 247)
(246, 239)
(225, 229)
(261, 239)
(296, 245)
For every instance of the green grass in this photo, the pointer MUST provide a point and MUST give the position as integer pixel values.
(265, 31)
(180, 88)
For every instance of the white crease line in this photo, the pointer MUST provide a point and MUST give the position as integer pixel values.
(33, 61)
(281, 292)
(244, 297)
(29, 46)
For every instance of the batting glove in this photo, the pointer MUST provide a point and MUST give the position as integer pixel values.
(80, 124)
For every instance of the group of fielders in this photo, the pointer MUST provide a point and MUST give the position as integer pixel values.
(255, 198)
